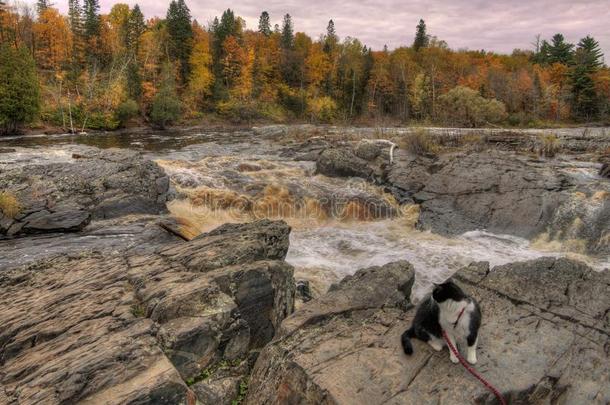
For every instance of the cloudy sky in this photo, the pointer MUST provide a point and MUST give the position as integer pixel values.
(499, 25)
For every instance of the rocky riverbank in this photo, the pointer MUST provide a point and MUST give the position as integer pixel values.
(500, 191)
(104, 301)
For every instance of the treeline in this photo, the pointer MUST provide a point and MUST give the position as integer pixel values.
(87, 70)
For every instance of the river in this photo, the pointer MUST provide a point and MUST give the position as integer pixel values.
(239, 175)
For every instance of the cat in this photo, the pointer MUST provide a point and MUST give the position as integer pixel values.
(447, 308)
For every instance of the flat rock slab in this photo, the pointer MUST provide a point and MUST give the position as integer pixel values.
(544, 339)
(94, 184)
(132, 327)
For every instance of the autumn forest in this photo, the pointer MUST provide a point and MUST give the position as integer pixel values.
(87, 70)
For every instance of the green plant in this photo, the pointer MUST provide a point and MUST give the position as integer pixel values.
(322, 109)
(126, 111)
(243, 390)
(19, 88)
(465, 107)
(138, 311)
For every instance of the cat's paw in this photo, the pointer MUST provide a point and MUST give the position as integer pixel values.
(454, 359)
(436, 345)
(472, 359)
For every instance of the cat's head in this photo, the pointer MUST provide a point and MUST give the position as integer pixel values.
(447, 291)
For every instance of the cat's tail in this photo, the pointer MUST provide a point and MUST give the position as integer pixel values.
(406, 340)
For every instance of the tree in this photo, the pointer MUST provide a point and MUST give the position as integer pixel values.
(463, 106)
(202, 78)
(166, 107)
(587, 60)
(42, 5)
(19, 89)
(559, 51)
(135, 29)
(330, 39)
(264, 25)
(180, 30)
(91, 11)
(53, 41)
(421, 38)
(287, 33)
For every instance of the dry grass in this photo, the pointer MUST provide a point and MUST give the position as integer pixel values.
(420, 143)
(9, 204)
(549, 145)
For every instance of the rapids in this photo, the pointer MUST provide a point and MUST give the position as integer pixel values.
(339, 225)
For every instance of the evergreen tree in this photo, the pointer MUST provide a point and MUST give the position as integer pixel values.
(264, 25)
(42, 5)
(166, 107)
(422, 39)
(287, 33)
(587, 60)
(135, 29)
(75, 17)
(559, 51)
(91, 11)
(19, 88)
(331, 39)
(180, 31)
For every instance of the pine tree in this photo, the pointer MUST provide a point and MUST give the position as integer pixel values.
(287, 33)
(135, 29)
(587, 60)
(331, 39)
(91, 11)
(422, 39)
(264, 25)
(42, 5)
(180, 30)
(559, 51)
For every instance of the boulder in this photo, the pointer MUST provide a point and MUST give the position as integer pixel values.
(131, 326)
(342, 162)
(95, 184)
(543, 339)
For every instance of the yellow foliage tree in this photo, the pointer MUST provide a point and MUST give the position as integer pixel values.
(53, 41)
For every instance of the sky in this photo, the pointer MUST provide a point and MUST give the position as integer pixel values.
(493, 25)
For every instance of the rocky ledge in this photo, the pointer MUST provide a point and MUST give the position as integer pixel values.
(498, 191)
(173, 326)
(544, 339)
(94, 184)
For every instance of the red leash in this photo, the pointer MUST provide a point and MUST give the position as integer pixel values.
(472, 370)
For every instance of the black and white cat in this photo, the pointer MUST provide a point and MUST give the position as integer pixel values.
(447, 308)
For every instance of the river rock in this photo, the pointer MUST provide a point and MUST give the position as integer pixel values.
(543, 339)
(96, 184)
(133, 326)
(342, 162)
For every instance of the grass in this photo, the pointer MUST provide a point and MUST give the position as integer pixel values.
(243, 390)
(420, 143)
(9, 204)
(549, 145)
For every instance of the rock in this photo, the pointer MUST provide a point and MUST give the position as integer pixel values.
(218, 391)
(96, 184)
(130, 326)
(8, 150)
(604, 170)
(367, 150)
(67, 220)
(342, 162)
(544, 339)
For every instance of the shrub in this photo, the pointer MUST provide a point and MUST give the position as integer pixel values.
(549, 145)
(462, 106)
(19, 89)
(166, 109)
(419, 143)
(238, 111)
(126, 111)
(322, 109)
(9, 204)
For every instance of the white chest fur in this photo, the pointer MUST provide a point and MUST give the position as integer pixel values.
(449, 312)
